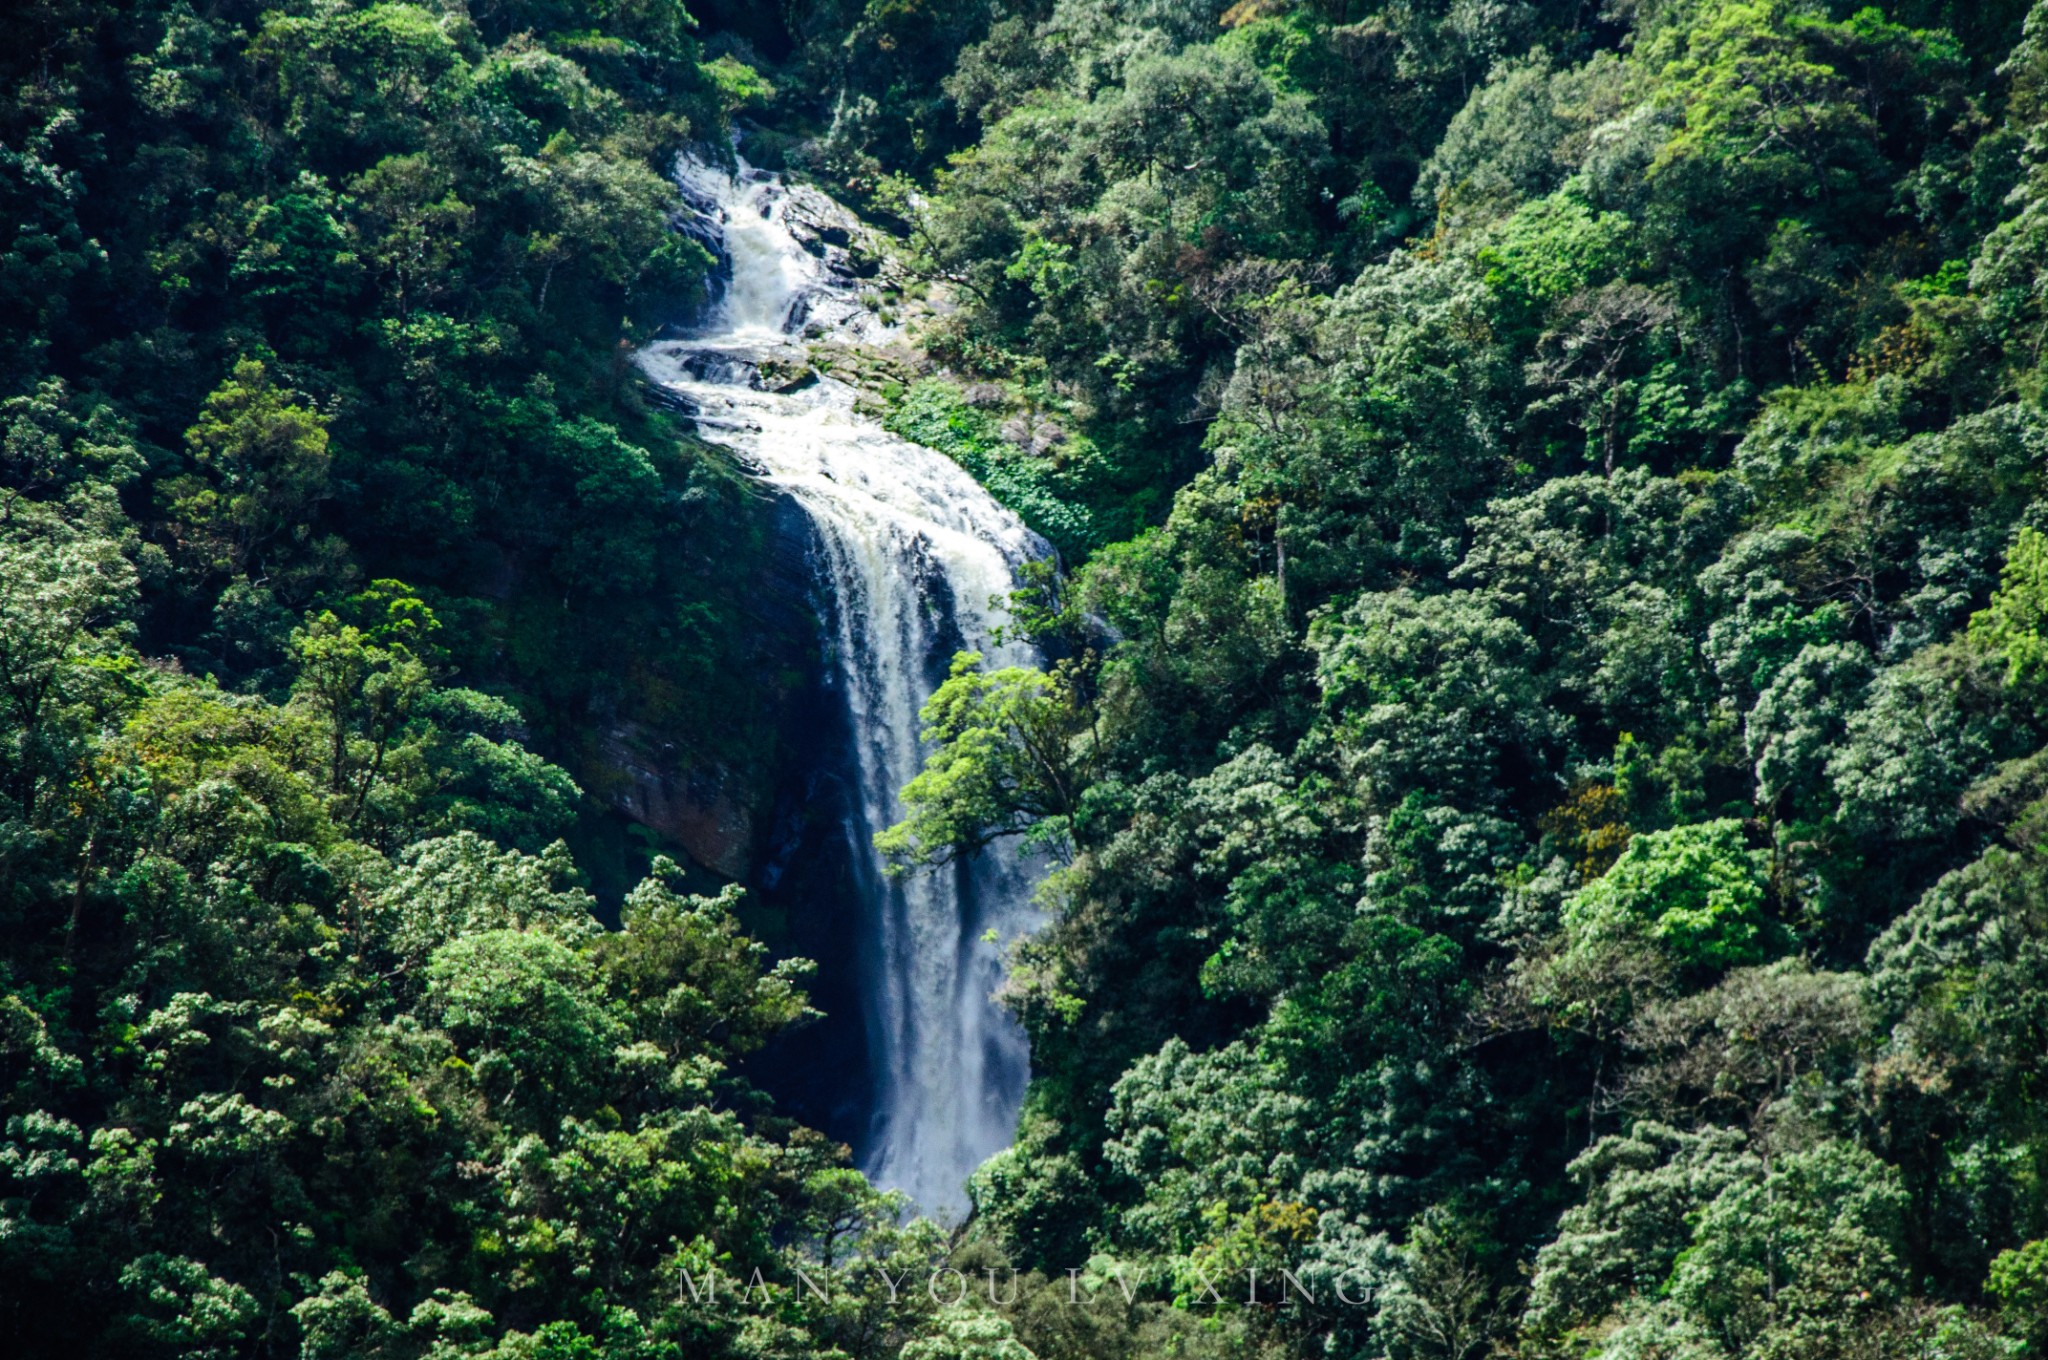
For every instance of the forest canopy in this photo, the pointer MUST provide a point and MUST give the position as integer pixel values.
(1538, 761)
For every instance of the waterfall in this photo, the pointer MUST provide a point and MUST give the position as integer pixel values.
(910, 553)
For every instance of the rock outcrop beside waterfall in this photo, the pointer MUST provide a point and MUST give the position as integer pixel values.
(720, 814)
(827, 229)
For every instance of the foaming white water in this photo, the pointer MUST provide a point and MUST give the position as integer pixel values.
(911, 553)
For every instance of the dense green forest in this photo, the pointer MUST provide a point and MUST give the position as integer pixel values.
(1542, 763)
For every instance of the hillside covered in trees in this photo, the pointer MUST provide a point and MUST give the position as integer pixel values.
(1541, 765)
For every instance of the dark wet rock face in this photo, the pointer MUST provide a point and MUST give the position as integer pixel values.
(719, 814)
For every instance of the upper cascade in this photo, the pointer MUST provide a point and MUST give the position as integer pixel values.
(785, 270)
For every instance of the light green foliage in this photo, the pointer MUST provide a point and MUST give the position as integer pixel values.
(1786, 1256)
(1368, 424)
(1264, 831)
(523, 1012)
(2014, 623)
(1211, 128)
(1742, 80)
(184, 1309)
(63, 601)
(1042, 486)
(269, 460)
(1013, 752)
(358, 83)
(1499, 149)
(967, 1334)
(1795, 1259)
(607, 210)
(497, 788)
(1431, 691)
(1574, 615)
(1551, 249)
(693, 980)
(1800, 717)
(462, 885)
(1911, 751)
(309, 1044)
(1697, 891)
(2019, 1281)
(340, 1320)
(1809, 436)
(301, 263)
(1644, 1189)
(1200, 1131)
(364, 695)
(50, 446)
(307, 1025)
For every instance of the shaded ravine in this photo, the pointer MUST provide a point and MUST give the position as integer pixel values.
(910, 552)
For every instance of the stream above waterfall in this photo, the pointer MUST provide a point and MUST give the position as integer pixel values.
(909, 555)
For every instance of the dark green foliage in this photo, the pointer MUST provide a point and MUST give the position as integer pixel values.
(1560, 851)
(400, 247)
(314, 398)
(1543, 740)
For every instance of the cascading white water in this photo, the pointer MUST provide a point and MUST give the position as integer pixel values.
(912, 552)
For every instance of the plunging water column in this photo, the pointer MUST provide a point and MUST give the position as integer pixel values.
(910, 551)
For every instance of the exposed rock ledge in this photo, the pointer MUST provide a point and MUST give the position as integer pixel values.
(720, 814)
(707, 810)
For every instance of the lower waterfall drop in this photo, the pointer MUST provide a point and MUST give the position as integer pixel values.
(911, 551)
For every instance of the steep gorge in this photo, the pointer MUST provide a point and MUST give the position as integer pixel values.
(910, 556)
